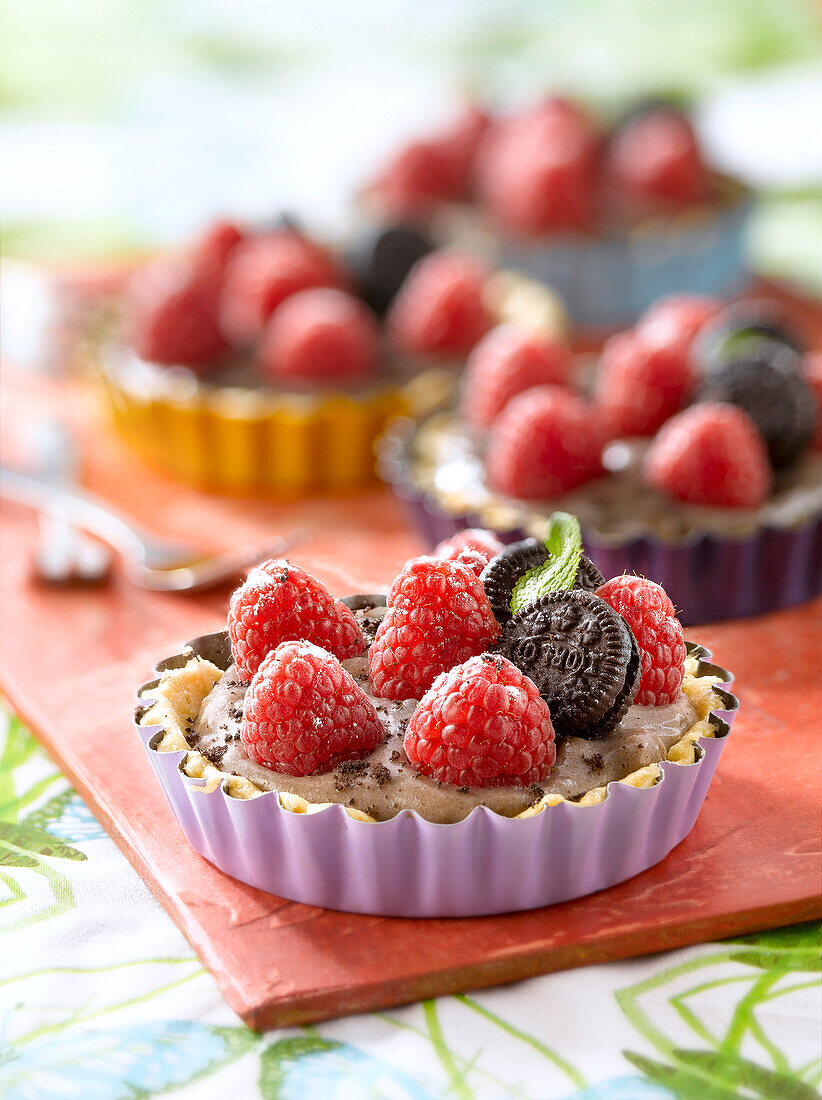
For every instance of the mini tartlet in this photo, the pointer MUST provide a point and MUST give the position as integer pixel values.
(703, 464)
(285, 833)
(609, 214)
(258, 361)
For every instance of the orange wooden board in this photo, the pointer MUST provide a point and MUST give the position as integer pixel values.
(71, 661)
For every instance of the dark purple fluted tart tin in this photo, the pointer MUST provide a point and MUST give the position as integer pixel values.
(709, 576)
(409, 867)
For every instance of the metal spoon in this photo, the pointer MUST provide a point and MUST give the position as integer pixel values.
(64, 556)
(148, 562)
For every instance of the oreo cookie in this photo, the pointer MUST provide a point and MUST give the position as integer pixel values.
(582, 656)
(380, 260)
(502, 573)
(748, 330)
(589, 578)
(779, 402)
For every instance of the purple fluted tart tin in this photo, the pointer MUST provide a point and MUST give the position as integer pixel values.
(709, 576)
(410, 867)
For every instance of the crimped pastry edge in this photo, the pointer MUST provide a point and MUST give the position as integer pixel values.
(172, 701)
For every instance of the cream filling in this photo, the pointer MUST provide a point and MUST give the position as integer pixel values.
(198, 707)
(447, 462)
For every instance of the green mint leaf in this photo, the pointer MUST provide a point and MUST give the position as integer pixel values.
(559, 573)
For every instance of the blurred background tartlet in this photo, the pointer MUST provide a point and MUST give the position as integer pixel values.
(689, 448)
(612, 214)
(259, 361)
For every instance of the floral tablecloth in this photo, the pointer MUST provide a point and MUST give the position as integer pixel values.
(101, 998)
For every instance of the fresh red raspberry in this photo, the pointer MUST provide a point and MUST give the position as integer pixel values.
(304, 713)
(459, 142)
(536, 170)
(474, 560)
(211, 251)
(438, 616)
(474, 540)
(506, 362)
(546, 441)
(171, 315)
(710, 454)
(655, 157)
(262, 272)
(483, 724)
(280, 602)
(439, 309)
(414, 181)
(640, 385)
(431, 170)
(812, 370)
(674, 321)
(320, 335)
(649, 613)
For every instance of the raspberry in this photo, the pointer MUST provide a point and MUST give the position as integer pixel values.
(655, 156)
(212, 250)
(710, 454)
(472, 558)
(431, 170)
(483, 724)
(171, 310)
(415, 179)
(536, 171)
(459, 142)
(304, 713)
(640, 385)
(480, 544)
(438, 615)
(812, 371)
(649, 613)
(546, 441)
(280, 602)
(320, 335)
(505, 362)
(439, 309)
(675, 320)
(262, 272)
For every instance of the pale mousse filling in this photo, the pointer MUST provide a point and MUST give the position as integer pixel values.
(384, 783)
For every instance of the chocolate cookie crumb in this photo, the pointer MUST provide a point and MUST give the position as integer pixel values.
(351, 767)
(595, 761)
(395, 755)
(380, 774)
(215, 753)
(463, 790)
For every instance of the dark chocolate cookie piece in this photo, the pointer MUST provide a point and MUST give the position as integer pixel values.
(502, 573)
(747, 329)
(589, 578)
(379, 261)
(582, 656)
(779, 402)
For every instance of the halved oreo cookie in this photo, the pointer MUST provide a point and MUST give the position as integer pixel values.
(582, 656)
(502, 573)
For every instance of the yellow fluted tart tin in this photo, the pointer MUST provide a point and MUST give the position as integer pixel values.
(242, 438)
(245, 440)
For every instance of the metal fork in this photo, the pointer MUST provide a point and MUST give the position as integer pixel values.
(149, 562)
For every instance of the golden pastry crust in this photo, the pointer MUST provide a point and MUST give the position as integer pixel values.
(181, 691)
